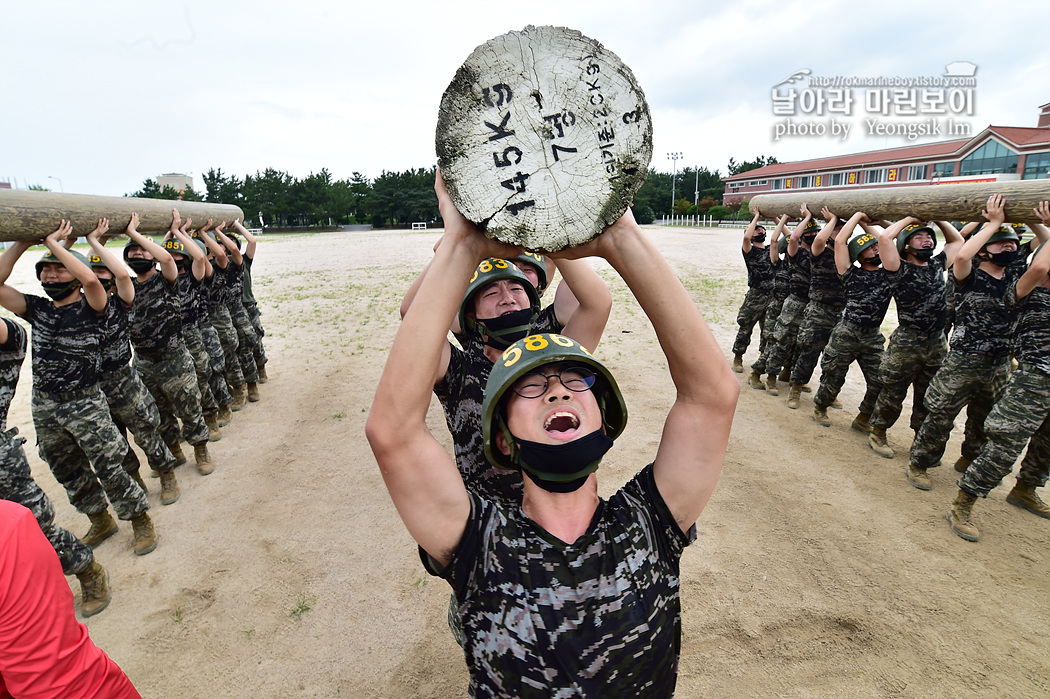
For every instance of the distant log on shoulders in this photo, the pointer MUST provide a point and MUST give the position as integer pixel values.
(945, 202)
(31, 215)
(543, 138)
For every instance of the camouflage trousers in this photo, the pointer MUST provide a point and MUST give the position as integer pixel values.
(223, 324)
(191, 335)
(78, 440)
(255, 316)
(851, 343)
(963, 379)
(217, 359)
(132, 407)
(171, 379)
(785, 335)
(246, 341)
(752, 310)
(769, 324)
(17, 485)
(911, 359)
(818, 320)
(1022, 414)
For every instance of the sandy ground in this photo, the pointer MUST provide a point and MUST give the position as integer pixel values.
(819, 571)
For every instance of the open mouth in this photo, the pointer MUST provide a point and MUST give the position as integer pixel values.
(561, 421)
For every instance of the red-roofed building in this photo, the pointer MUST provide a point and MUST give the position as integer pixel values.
(995, 154)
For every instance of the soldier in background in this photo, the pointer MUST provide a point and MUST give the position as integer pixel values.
(781, 265)
(759, 291)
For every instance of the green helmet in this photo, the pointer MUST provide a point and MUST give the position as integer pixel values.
(95, 261)
(531, 353)
(493, 270)
(49, 258)
(1019, 228)
(536, 260)
(201, 245)
(811, 227)
(860, 243)
(907, 233)
(174, 245)
(783, 245)
(1005, 232)
(130, 244)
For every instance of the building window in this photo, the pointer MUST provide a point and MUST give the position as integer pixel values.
(835, 180)
(804, 181)
(760, 183)
(874, 176)
(917, 172)
(991, 158)
(778, 184)
(1036, 166)
(944, 169)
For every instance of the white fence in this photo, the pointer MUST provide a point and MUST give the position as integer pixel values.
(701, 222)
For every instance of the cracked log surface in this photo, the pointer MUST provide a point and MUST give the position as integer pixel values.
(31, 215)
(942, 202)
(543, 138)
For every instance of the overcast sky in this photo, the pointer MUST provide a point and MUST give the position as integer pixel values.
(97, 97)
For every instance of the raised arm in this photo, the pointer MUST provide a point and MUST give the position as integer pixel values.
(1037, 272)
(1042, 232)
(696, 431)
(953, 242)
(421, 476)
(749, 233)
(797, 232)
(94, 293)
(830, 221)
(582, 302)
(200, 264)
(842, 261)
(774, 241)
(995, 212)
(11, 298)
(249, 245)
(121, 277)
(233, 251)
(891, 258)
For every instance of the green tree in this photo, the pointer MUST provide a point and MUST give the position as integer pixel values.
(38, 188)
(736, 168)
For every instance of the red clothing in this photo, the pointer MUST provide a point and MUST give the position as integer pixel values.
(44, 650)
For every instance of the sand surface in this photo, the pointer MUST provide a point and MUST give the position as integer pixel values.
(818, 571)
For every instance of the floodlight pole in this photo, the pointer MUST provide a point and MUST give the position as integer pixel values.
(673, 157)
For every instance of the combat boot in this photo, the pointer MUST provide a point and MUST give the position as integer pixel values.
(917, 476)
(263, 378)
(253, 392)
(962, 464)
(785, 374)
(212, 421)
(755, 380)
(738, 363)
(878, 444)
(771, 385)
(805, 388)
(1024, 496)
(959, 516)
(820, 416)
(239, 397)
(836, 404)
(145, 536)
(176, 451)
(94, 589)
(103, 526)
(794, 396)
(137, 477)
(224, 416)
(861, 423)
(204, 463)
(169, 487)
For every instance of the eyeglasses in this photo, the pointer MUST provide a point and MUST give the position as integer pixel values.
(534, 384)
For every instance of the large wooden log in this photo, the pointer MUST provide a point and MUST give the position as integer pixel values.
(543, 138)
(30, 215)
(946, 202)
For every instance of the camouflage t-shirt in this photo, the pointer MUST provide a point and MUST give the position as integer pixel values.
(190, 290)
(461, 394)
(1031, 337)
(247, 296)
(983, 321)
(867, 296)
(115, 344)
(234, 283)
(65, 344)
(759, 268)
(11, 356)
(546, 321)
(156, 316)
(600, 617)
(825, 284)
(921, 294)
(782, 279)
(800, 274)
(217, 288)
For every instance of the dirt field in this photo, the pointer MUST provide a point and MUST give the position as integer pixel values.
(818, 572)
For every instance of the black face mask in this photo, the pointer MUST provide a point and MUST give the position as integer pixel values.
(505, 330)
(1004, 258)
(139, 265)
(59, 290)
(563, 468)
(183, 264)
(808, 239)
(760, 238)
(876, 260)
(922, 255)
(108, 284)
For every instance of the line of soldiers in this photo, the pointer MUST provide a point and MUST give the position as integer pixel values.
(824, 291)
(187, 309)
